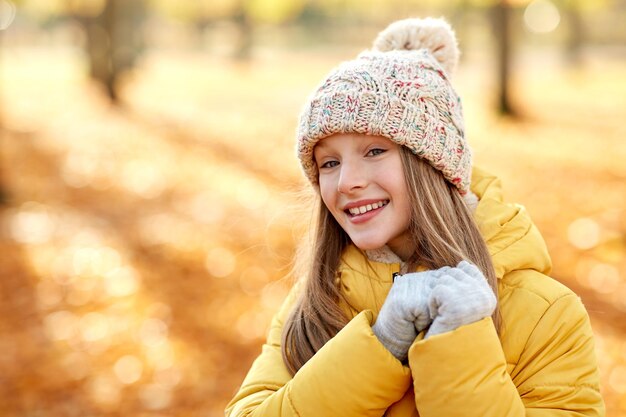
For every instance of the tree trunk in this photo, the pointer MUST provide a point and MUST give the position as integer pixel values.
(100, 47)
(3, 195)
(243, 50)
(109, 23)
(114, 41)
(501, 22)
(576, 33)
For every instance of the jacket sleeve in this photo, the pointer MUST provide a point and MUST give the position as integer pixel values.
(464, 372)
(352, 375)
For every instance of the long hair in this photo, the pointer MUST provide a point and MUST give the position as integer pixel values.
(442, 230)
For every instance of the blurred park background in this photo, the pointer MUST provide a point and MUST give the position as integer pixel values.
(148, 179)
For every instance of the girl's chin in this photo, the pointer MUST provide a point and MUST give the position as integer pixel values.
(369, 246)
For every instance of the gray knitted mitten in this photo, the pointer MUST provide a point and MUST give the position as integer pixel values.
(461, 296)
(405, 311)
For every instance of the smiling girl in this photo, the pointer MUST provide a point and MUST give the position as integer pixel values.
(426, 293)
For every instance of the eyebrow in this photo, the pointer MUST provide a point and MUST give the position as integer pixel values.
(319, 148)
(320, 144)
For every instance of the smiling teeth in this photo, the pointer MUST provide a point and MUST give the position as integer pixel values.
(364, 209)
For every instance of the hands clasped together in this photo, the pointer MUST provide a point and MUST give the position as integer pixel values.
(443, 299)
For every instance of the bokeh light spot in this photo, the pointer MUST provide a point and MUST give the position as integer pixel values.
(584, 233)
(252, 194)
(220, 262)
(32, 224)
(253, 279)
(82, 262)
(153, 332)
(128, 369)
(104, 259)
(61, 325)
(78, 169)
(77, 365)
(155, 396)
(273, 295)
(94, 326)
(79, 296)
(617, 380)
(7, 13)
(62, 268)
(143, 178)
(49, 294)
(157, 228)
(121, 282)
(161, 311)
(168, 378)
(542, 16)
(160, 356)
(604, 278)
(252, 325)
(104, 390)
(95, 260)
(204, 210)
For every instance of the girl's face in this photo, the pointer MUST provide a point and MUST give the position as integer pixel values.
(362, 184)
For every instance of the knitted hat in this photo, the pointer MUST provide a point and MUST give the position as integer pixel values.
(400, 90)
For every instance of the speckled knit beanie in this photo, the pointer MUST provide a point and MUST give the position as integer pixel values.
(400, 90)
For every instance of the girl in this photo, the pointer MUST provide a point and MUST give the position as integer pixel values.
(426, 294)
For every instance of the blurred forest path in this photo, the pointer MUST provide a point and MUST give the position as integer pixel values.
(145, 248)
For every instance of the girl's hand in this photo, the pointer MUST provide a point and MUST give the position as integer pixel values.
(461, 296)
(405, 311)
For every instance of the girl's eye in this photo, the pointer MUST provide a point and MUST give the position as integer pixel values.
(329, 164)
(376, 151)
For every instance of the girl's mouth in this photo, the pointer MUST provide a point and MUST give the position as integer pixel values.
(357, 211)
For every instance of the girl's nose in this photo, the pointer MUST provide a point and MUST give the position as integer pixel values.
(351, 178)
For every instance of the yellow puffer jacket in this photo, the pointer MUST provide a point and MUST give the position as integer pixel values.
(542, 365)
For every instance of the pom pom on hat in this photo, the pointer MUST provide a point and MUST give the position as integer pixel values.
(434, 35)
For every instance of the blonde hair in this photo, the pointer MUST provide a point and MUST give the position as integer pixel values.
(443, 232)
